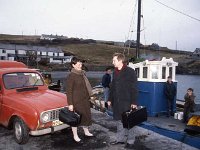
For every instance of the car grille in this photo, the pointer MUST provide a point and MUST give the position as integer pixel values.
(54, 114)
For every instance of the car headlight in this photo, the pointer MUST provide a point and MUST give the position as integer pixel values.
(45, 117)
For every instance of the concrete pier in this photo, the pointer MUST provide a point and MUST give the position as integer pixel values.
(103, 128)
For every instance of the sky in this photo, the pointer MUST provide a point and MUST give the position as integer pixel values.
(111, 20)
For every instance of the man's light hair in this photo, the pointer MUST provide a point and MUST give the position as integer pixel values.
(119, 56)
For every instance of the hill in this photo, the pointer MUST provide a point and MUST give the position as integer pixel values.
(100, 54)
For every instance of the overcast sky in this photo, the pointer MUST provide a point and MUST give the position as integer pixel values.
(105, 20)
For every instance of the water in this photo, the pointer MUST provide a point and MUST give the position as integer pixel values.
(184, 82)
(93, 76)
(188, 81)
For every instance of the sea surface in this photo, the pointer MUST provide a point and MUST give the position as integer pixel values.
(188, 81)
(184, 82)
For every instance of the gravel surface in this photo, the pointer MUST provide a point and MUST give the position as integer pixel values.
(103, 128)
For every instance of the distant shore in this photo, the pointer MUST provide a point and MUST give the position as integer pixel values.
(98, 54)
(179, 69)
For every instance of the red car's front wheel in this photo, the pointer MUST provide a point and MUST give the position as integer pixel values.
(21, 132)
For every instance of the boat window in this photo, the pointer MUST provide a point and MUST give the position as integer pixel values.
(137, 70)
(145, 70)
(170, 71)
(154, 71)
(163, 72)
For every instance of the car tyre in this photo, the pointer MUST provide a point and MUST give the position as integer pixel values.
(21, 132)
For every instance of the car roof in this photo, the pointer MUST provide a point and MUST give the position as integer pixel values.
(12, 70)
(11, 64)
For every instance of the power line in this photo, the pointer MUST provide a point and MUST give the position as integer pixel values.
(177, 11)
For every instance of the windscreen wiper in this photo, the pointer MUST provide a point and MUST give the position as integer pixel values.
(35, 82)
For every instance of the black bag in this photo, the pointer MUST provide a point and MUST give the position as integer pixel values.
(134, 117)
(71, 118)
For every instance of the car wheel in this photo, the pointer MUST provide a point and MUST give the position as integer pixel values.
(21, 133)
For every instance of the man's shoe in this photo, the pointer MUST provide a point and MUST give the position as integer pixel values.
(129, 146)
(115, 143)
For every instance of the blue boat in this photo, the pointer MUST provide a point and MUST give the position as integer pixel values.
(152, 76)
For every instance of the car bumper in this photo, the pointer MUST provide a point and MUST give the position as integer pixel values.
(49, 130)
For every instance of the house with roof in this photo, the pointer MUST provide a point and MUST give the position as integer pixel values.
(24, 52)
(196, 53)
(52, 37)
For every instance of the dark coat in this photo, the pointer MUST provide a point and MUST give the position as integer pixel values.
(188, 106)
(170, 90)
(189, 101)
(78, 96)
(123, 91)
(106, 80)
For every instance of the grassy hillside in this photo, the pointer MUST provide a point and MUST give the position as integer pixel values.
(101, 54)
(93, 53)
(7, 37)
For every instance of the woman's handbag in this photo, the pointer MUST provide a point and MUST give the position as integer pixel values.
(71, 118)
(134, 117)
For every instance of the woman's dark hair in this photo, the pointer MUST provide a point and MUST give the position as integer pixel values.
(74, 60)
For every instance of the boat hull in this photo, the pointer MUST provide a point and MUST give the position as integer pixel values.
(151, 95)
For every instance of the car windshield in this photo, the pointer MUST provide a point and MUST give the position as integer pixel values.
(22, 79)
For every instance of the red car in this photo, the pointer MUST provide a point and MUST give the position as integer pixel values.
(26, 103)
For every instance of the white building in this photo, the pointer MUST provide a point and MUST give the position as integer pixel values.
(15, 52)
(52, 37)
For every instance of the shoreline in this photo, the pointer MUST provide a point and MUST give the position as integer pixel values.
(184, 81)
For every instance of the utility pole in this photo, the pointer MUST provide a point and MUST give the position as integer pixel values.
(138, 30)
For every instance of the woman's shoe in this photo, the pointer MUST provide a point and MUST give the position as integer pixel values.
(89, 136)
(78, 142)
(77, 139)
(87, 132)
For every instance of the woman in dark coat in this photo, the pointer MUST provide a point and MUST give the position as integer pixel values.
(78, 93)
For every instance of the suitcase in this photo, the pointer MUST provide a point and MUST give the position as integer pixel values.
(134, 117)
(71, 118)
